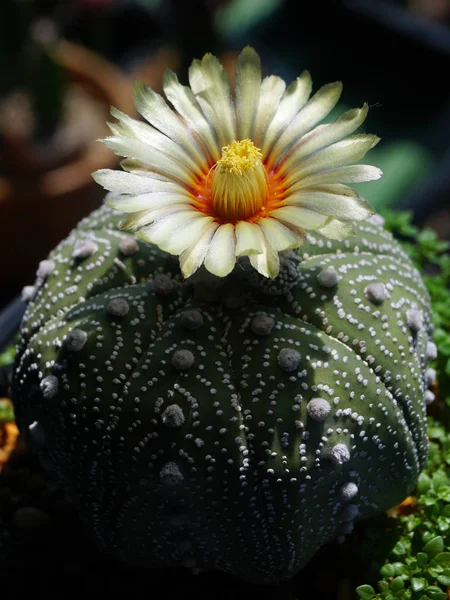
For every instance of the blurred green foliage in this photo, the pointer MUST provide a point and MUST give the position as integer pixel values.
(234, 18)
(405, 163)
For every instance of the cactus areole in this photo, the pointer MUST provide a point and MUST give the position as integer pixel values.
(235, 423)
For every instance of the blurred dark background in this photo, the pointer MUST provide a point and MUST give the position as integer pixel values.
(64, 62)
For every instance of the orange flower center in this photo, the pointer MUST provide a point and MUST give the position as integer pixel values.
(239, 187)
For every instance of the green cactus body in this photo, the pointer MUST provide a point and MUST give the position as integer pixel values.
(237, 426)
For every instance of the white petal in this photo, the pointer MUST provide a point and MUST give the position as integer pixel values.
(334, 205)
(325, 135)
(300, 217)
(221, 256)
(137, 167)
(294, 98)
(155, 110)
(248, 240)
(154, 158)
(154, 138)
(328, 188)
(272, 89)
(192, 258)
(209, 82)
(313, 112)
(339, 154)
(117, 129)
(337, 230)
(185, 103)
(130, 204)
(279, 236)
(347, 174)
(247, 89)
(267, 262)
(141, 218)
(187, 234)
(161, 231)
(127, 183)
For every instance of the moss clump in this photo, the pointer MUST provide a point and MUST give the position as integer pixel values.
(6, 362)
(6, 411)
(7, 357)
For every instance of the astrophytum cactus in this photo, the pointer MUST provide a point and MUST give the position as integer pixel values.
(244, 398)
(232, 423)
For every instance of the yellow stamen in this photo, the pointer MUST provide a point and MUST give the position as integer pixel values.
(239, 187)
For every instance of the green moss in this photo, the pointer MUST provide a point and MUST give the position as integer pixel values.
(6, 360)
(6, 411)
(7, 357)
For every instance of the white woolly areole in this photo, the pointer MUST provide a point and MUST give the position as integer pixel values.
(414, 319)
(430, 376)
(328, 278)
(339, 454)
(28, 292)
(118, 307)
(128, 245)
(75, 340)
(288, 359)
(49, 386)
(192, 319)
(45, 268)
(173, 416)
(348, 491)
(431, 351)
(183, 359)
(262, 324)
(318, 409)
(376, 293)
(171, 475)
(429, 397)
(84, 249)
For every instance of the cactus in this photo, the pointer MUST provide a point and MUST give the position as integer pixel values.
(238, 423)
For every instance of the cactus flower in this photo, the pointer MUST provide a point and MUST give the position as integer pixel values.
(243, 175)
